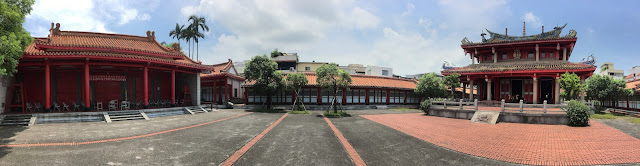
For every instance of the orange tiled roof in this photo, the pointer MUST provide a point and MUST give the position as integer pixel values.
(220, 69)
(365, 81)
(102, 45)
(519, 66)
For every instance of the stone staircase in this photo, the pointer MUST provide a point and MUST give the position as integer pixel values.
(124, 115)
(17, 120)
(195, 110)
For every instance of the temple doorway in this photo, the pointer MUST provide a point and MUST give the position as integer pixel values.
(516, 90)
(546, 90)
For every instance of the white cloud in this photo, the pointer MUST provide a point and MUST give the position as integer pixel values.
(410, 8)
(531, 19)
(362, 19)
(85, 15)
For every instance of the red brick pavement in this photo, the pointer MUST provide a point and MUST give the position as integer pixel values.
(520, 143)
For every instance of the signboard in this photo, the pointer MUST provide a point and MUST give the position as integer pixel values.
(107, 78)
(487, 117)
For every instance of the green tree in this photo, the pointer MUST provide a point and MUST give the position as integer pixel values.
(177, 32)
(571, 86)
(430, 85)
(13, 37)
(329, 76)
(604, 88)
(268, 80)
(296, 81)
(452, 82)
(275, 53)
(187, 34)
(198, 23)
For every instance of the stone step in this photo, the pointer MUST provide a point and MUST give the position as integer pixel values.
(130, 118)
(15, 124)
(124, 116)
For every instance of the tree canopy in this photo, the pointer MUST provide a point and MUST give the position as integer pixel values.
(430, 85)
(603, 88)
(296, 81)
(13, 37)
(451, 82)
(268, 80)
(275, 53)
(571, 85)
(329, 76)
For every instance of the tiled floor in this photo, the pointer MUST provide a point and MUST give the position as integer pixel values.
(520, 143)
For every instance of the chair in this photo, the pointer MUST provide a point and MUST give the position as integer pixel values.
(29, 107)
(165, 103)
(123, 105)
(112, 105)
(38, 107)
(99, 106)
(76, 106)
(65, 106)
(115, 102)
(181, 102)
(82, 105)
(56, 107)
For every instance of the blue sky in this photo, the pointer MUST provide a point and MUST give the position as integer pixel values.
(409, 36)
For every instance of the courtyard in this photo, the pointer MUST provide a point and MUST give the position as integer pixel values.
(369, 137)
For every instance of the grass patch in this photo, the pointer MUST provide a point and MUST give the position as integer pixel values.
(266, 110)
(633, 120)
(403, 109)
(336, 115)
(604, 116)
(300, 112)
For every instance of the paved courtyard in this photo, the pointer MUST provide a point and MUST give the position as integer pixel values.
(370, 137)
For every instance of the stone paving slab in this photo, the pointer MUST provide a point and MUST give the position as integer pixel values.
(380, 145)
(298, 140)
(520, 143)
(90, 131)
(203, 145)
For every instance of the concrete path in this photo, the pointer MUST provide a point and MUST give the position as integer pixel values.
(204, 145)
(298, 140)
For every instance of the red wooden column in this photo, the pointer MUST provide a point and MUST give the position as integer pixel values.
(173, 87)
(405, 97)
(146, 85)
(47, 85)
(87, 92)
(226, 91)
(246, 96)
(366, 98)
(214, 92)
(319, 98)
(387, 96)
(293, 96)
(344, 96)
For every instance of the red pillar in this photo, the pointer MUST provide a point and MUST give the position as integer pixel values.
(344, 96)
(47, 85)
(319, 99)
(226, 91)
(87, 94)
(366, 98)
(293, 96)
(173, 87)
(387, 96)
(246, 96)
(215, 94)
(405, 97)
(146, 86)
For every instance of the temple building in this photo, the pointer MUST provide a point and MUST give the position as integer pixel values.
(222, 84)
(364, 90)
(80, 71)
(517, 68)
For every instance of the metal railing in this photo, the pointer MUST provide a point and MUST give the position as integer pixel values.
(504, 107)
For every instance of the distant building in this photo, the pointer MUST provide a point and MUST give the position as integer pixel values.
(634, 74)
(240, 66)
(611, 71)
(359, 69)
(287, 62)
(309, 66)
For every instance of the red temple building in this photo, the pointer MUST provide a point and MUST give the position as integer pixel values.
(222, 84)
(523, 67)
(89, 70)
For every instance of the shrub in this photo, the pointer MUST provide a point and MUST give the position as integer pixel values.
(425, 106)
(578, 113)
(300, 112)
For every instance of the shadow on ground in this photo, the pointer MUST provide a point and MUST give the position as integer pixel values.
(6, 132)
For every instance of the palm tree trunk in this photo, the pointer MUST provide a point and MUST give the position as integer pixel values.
(197, 51)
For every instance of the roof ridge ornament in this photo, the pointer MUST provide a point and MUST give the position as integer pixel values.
(151, 35)
(54, 30)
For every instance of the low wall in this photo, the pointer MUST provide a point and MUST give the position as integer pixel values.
(71, 117)
(326, 107)
(511, 117)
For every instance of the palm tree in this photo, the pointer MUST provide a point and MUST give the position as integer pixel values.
(196, 24)
(187, 35)
(177, 33)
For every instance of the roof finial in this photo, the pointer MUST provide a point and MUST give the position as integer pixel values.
(542, 28)
(523, 29)
(505, 31)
